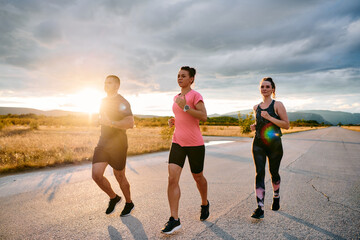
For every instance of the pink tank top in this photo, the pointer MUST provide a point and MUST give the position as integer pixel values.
(187, 131)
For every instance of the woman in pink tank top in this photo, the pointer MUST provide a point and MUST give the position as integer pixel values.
(187, 141)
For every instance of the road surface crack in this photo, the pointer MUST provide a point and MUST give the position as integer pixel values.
(328, 198)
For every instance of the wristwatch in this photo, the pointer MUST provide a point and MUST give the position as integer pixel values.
(186, 107)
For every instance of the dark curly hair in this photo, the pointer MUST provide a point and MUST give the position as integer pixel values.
(190, 70)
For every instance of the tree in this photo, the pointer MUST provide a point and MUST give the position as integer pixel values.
(245, 123)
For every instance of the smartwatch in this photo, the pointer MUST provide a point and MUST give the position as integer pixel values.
(186, 107)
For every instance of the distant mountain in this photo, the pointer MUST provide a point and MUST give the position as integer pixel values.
(55, 113)
(293, 116)
(145, 116)
(14, 110)
(232, 114)
(334, 117)
(328, 117)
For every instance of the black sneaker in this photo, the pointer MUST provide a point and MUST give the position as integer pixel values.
(205, 211)
(276, 204)
(258, 213)
(112, 204)
(171, 226)
(127, 209)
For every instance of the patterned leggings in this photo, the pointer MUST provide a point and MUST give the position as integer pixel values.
(274, 152)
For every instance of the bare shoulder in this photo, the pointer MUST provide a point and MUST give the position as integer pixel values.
(278, 104)
(255, 107)
(279, 108)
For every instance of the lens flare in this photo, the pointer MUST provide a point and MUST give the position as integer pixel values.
(269, 133)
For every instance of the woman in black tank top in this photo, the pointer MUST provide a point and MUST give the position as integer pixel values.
(270, 116)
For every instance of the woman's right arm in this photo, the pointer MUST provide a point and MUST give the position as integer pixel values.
(171, 122)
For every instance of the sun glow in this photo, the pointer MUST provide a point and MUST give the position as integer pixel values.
(87, 100)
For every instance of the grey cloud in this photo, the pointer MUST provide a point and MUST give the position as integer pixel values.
(120, 6)
(48, 32)
(17, 45)
(232, 43)
(326, 82)
(156, 18)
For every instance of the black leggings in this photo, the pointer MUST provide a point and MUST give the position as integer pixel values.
(274, 152)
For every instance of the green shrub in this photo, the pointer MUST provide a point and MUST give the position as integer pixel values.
(34, 125)
(245, 123)
(167, 132)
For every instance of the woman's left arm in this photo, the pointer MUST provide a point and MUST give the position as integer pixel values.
(280, 110)
(199, 111)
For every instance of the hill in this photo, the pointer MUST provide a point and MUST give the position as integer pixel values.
(55, 113)
(325, 116)
(334, 117)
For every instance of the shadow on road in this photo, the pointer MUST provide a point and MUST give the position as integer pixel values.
(55, 180)
(310, 225)
(289, 236)
(113, 233)
(128, 165)
(320, 140)
(218, 231)
(135, 226)
(235, 158)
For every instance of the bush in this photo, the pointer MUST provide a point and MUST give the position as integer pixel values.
(245, 123)
(34, 125)
(204, 128)
(167, 132)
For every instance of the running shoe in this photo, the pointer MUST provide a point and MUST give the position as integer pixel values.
(258, 213)
(127, 209)
(171, 226)
(205, 211)
(112, 204)
(276, 204)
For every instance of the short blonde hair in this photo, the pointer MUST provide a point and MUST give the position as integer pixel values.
(116, 78)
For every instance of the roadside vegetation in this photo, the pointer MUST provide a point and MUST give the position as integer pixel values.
(33, 141)
(352, 127)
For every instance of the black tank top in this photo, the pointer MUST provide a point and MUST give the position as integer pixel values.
(265, 128)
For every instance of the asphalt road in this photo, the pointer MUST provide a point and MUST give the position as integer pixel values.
(320, 195)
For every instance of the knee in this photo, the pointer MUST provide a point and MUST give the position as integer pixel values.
(199, 178)
(274, 174)
(97, 177)
(173, 181)
(120, 175)
(260, 173)
(275, 178)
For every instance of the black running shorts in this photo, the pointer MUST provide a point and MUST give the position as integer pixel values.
(116, 159)
(196, 156)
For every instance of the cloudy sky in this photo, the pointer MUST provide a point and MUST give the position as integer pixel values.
(56, 54)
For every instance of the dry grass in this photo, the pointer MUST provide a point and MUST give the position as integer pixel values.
(299, 129)
(228, 131)
(146, 140)
(353, 128)
(236, 131)
(22, 148)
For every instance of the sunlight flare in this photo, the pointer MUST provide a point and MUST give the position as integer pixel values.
(87, 100)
